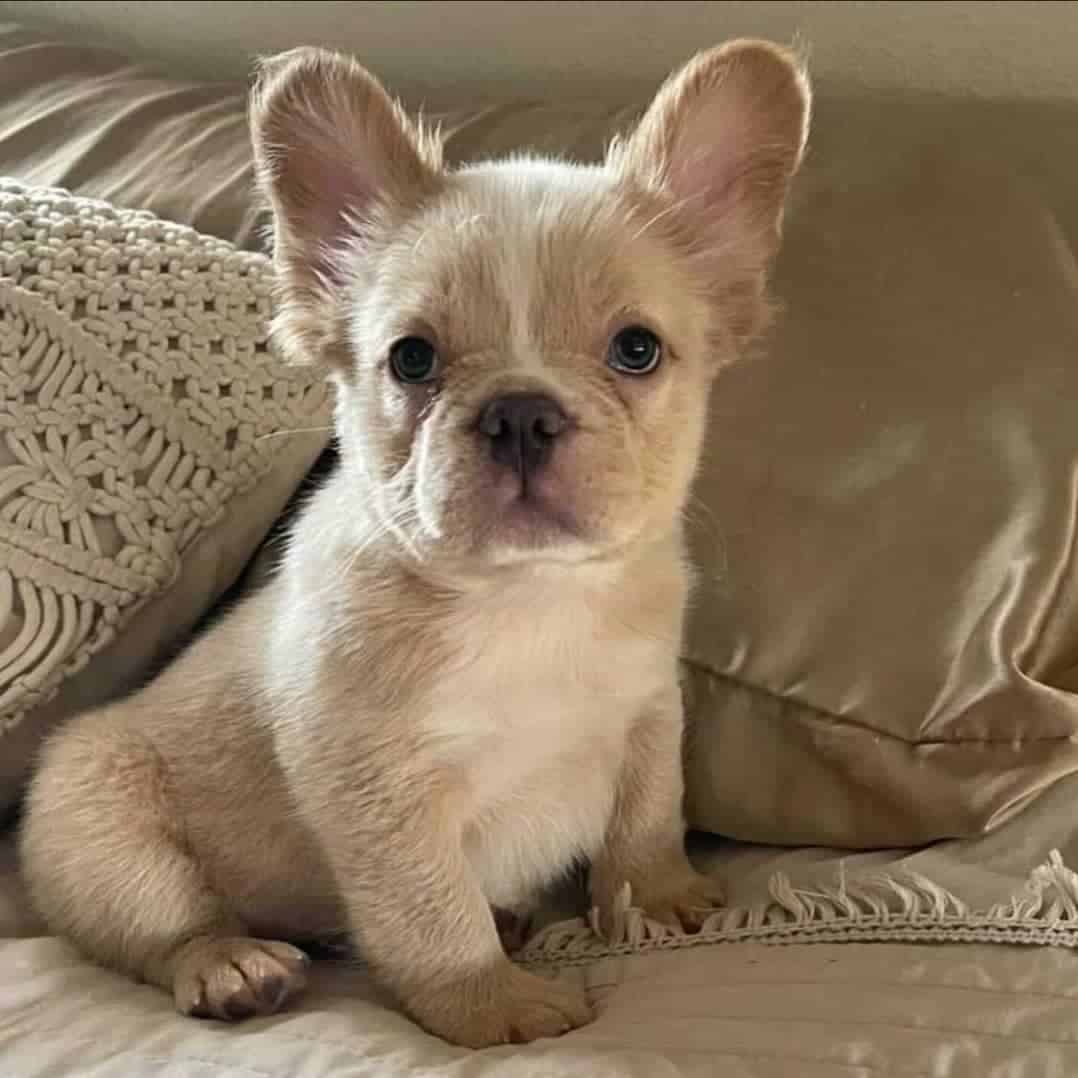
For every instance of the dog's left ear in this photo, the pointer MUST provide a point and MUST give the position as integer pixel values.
(722, 139)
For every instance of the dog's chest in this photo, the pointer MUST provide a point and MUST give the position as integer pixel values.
(536, 686)
(535, 726)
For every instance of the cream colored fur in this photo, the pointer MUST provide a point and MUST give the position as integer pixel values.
(446, 698)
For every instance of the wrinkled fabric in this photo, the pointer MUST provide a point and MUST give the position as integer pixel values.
(885, 633)
(88, 119)
(744, 1011)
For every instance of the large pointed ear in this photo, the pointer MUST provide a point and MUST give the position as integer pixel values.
(334, 155)
(722, 140)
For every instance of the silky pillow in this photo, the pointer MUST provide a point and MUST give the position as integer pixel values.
(884, 648)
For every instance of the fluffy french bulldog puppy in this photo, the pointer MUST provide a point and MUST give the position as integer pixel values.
(463, 680)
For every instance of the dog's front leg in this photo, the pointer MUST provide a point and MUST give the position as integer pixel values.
(645, 839)
(423, 924)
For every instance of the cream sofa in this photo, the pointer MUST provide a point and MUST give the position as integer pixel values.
(882, 669)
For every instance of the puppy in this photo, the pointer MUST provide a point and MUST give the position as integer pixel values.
(463, 679)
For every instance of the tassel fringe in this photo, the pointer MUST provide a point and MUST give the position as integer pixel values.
(882, 907)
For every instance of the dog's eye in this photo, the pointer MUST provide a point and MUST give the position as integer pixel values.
(635, 350)
(413, 360)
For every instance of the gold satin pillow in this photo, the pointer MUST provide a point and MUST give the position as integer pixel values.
(884, 648)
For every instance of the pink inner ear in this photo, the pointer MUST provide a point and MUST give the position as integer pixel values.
(711, 152)
(326, 197)
(333, 147)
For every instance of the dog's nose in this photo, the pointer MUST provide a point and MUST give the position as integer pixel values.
(522, 428)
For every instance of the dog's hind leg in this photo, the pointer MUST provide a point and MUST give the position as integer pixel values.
(107, 865)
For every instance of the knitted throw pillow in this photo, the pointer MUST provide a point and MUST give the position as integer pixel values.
(148, 439)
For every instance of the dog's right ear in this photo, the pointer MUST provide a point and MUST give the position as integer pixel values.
(334, 154)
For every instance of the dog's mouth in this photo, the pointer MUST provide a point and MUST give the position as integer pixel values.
(528, 515)
(540, 521)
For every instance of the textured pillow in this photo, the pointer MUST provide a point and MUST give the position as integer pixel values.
(148, 440)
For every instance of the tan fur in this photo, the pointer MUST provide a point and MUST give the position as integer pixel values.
(437, 707)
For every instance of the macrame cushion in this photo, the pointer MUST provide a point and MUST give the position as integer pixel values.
(148, 439)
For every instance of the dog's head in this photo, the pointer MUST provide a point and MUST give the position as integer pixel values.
(524, 349)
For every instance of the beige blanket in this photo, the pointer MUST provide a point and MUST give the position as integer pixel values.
(667, 1007)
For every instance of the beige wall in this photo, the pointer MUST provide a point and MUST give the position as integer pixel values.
(1006, 49)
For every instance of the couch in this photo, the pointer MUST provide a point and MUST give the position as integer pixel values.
(882, 668)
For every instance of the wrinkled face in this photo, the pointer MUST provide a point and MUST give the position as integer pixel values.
(529, 368)
(524, 349)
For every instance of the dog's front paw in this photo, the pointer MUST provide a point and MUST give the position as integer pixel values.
(681, 900)
(237, 978)
(512, 1007)
(681, 903)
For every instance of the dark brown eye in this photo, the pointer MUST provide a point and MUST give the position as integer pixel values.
(413, 360)
(635, 350)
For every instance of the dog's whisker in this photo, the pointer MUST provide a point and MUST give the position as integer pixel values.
(705, 520)
(294, 430)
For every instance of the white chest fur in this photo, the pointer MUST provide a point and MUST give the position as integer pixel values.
(534, 719)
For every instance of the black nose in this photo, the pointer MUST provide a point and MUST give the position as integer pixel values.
(522, 428)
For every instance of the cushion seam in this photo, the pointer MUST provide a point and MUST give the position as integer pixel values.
(815, 713)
